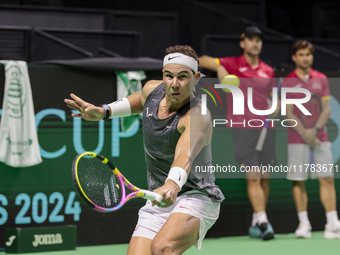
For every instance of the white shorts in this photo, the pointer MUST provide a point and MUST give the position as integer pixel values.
(298, 156)
(152, 218)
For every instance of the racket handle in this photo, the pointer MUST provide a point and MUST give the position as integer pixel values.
(153, 196)
(261, 140)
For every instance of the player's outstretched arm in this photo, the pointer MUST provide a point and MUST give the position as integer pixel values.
(87, 111)
(196, 132)
(132, 104)
(120, 108)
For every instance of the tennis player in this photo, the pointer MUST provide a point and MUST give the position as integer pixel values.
(300, 140)
(260, 76)
(176, 138)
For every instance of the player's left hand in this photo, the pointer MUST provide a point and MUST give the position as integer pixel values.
(169, 192)
(87, 111)
(308, 135)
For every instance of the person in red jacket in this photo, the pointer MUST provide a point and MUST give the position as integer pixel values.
(302, 139)
(260, 77)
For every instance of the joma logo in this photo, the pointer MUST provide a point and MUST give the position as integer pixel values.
(47, 239)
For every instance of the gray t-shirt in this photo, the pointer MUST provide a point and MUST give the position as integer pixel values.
(160, 140)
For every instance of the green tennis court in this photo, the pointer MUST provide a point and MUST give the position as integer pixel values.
(282, 244)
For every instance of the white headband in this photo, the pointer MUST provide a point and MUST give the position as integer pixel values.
(179, 58)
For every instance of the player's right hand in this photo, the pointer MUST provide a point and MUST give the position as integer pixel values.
(169, 192)
(87, 111)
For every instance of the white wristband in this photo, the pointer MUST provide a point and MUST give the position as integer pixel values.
(120, 108)
(178, 175)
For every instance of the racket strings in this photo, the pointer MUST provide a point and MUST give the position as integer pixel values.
(98, 182)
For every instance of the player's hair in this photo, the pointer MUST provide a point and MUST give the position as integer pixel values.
(184, 49)
(303, 44)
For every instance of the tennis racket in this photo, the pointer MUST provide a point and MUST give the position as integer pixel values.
(263, 134)
(101, 184)
(314, 107)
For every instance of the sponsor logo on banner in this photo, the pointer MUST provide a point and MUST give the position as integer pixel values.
(16, 93)
(47, 239)
(10, 240)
